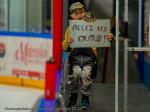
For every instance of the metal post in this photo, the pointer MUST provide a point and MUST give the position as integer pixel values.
(125, 75)
(140, 11)
(149, 30)
(57, 31)
(126, 60)
(126, 10)
(126, 18)
(117, 56)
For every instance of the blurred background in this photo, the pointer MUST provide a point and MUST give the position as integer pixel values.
(35, 16)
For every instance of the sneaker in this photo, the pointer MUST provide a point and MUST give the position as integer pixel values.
(85, 102)
(73, 99)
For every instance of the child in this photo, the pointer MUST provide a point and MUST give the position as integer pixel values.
(82, 60)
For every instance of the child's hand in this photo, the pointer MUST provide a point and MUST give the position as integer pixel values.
(109, 36)
(70, 40)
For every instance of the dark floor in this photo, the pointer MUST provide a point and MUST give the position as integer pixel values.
(102, 98)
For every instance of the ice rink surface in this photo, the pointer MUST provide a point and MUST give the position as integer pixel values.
(18, 99)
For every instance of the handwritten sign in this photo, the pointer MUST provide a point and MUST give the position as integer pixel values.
(90, 34)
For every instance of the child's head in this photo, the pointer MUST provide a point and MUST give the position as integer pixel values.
(77, 11)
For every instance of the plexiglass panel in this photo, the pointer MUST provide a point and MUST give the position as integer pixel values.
(25, 15)
(17, 17)
(134, 61)
(3, 15)
(34, 15)
(103, 86)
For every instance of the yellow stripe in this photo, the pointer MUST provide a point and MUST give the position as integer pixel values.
(10, 80)
(13, 80)
(39, 84)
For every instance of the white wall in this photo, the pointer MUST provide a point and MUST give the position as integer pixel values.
(102, 8)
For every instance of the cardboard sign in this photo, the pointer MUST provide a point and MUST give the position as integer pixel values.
(91, 34)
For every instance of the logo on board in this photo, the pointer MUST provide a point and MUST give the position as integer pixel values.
(2, 49)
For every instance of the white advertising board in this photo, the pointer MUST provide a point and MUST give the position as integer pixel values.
(27, 56)
(91, 34)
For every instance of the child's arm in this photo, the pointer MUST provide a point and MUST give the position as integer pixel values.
(67, 40)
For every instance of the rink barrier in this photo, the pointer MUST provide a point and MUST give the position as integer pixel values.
(27, 34)
(15, 81)
(21, 81)
(10, 80)
(38, 84)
